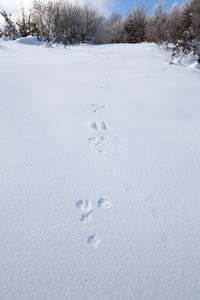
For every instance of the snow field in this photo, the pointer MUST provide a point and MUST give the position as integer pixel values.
(99, 172)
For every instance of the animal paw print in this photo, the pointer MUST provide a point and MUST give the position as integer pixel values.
(85, 207)
(98, 108)
(104, 203)
(93, 240)
(100, 126)
(97, 142)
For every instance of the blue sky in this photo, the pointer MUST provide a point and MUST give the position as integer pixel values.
(122, 6)
(119, 6)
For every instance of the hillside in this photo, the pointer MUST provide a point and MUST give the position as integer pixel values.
(99, 172)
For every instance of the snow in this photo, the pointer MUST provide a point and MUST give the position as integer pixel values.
(29, 40)
(188, 59)
(99, 172)
(4, 39)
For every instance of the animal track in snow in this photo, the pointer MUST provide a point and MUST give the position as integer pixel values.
(93, 240)
(104, 203)
(84, 205)
(94, 140)
(97, 142)
(104, 138)
(100, 126)
(98, 108)
(86, 218)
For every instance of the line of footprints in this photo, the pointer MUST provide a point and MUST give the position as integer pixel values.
(100, 126)
(85, 206)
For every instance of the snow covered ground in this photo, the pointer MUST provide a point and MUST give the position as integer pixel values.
(99, 173)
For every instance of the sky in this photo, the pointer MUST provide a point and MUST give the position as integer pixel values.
(107, 6)
(122, 6)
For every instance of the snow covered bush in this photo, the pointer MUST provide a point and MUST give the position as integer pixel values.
(185, 47)
(9, 28)
(188, 41)
(67, 23)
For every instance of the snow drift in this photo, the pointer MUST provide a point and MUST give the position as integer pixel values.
(29, 40)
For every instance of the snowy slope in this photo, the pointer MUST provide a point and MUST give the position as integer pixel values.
(99, 172)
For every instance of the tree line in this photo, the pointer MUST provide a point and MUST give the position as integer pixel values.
(66, 23)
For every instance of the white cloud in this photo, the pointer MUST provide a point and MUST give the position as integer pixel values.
(14, 5)
(17, 4)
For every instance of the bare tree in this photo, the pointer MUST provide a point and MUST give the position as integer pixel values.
(195, 10)
(24, 24)
(174, 28)
(116, 30)
(135, 25)
(157, 24)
